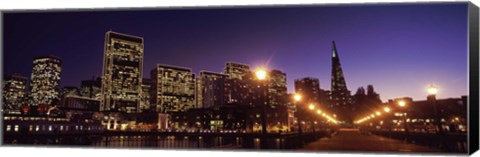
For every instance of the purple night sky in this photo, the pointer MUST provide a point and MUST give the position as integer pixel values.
(399, 49)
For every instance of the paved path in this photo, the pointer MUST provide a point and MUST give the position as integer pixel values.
(352, 140)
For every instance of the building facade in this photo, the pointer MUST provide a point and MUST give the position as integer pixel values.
(14, 92)
(238, 84)
(91, 88)
(122, 73)
(277, 88)
(45, 79)
(72, 102)
(173, 88)
(145, 98)
(211, 89)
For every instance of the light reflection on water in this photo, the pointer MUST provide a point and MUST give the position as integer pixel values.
(161, 142)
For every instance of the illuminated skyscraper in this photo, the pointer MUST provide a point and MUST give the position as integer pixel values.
(237, 70)
(145, 98)
(173, 88)
(14, 91)
(122, 73)
(45, 79)
(277, 88)
(211, 89)
(339, 96)
(238, 83)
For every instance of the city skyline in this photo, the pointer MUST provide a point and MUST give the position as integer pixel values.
(268, 49)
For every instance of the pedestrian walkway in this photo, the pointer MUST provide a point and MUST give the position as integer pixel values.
(353, 140)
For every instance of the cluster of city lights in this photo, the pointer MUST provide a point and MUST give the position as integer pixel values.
(432, 90)
(375, 114)
(297, 97)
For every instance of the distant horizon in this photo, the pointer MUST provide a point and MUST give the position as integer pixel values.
(392, 47)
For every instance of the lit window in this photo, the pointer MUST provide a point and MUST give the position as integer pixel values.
(16, 128)
(9, 127)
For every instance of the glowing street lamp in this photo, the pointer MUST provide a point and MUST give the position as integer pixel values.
(432, 90)
(319, 112)
(401, 103)
(386, 109)
(311, 106)
(297, 97)
(261, 74)
(378, 113)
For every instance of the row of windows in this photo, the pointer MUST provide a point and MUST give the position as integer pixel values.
(37, 128)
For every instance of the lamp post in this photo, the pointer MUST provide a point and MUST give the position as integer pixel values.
(261, 75)
(403, 104)
(432, 92)
(297, 98)
(312, 107)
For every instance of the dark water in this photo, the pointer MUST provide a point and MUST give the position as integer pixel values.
(161, 142)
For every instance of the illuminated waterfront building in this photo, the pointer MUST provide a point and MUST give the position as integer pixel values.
(72, 102)
(45, 79)
(211, 89)
(173, 88)
(122, 73)
(277, 88)
(14, 92)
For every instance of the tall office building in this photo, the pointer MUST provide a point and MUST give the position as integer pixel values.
(145, 98)
(339, 94)
(173, 88)
(14, 91)
(277, 88)
(237, 70)
(122, 73)
(238, 83)
(211, 89)
(45, 79)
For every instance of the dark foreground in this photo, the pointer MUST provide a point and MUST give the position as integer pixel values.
(353, 140)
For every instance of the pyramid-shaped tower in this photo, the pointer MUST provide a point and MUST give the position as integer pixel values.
(339, 94)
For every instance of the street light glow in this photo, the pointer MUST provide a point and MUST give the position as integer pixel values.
(261, 74)
(378, 113)
(297, 97)
(432, 90)
(319, 112)
(401, 103)
(311, 106)
(386, 109)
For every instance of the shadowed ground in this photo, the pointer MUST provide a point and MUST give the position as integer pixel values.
(353, 140)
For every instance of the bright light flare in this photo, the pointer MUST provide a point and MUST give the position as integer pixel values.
(261, 74)
(401, 103)
(386, 109)
(319, 112)
(378, 113)
(432, 90)
(297, 97)
(311, 106)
